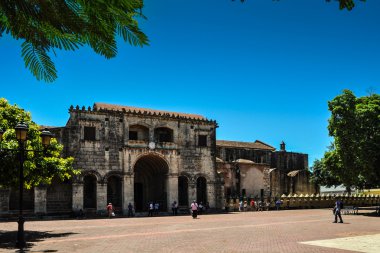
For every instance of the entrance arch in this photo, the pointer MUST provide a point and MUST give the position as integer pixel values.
(202, 190)
(151, 175)
(183, 185)
(114, 191)
(89, 192)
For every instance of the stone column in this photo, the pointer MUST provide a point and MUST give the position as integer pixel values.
(128, 191)
(4, 200)
(101, 196)
(77, 196)
(192, 191)
(267, 183)
(40, 200)
(211, 194)
(172, 189)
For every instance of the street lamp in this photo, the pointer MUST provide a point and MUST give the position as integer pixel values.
(21, 136)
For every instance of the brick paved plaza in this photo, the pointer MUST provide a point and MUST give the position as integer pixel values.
(274, 231)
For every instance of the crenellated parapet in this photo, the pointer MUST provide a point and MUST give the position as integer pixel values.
(141, 112)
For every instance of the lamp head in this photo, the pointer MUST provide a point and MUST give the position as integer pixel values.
(21, 131)
(46, 136)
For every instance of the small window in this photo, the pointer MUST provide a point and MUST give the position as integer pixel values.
(202, 140)
(89, 133)
(133, 135)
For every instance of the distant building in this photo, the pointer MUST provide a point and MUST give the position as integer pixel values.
(255, 169)
(137, 155)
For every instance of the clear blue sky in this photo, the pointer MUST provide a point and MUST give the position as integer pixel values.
(263, 69)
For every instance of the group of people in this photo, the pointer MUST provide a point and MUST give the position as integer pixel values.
(111, 210)
(153, 208)
(196, 208)
(257, 205)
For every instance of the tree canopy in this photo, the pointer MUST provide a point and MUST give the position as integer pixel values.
(353, 159)
(39, 167)
(48, 25)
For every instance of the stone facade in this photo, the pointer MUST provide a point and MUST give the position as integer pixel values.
(134, 155)
(256, 170)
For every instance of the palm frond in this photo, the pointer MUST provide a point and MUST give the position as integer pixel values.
(38, 62)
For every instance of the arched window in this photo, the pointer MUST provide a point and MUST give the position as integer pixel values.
(138, 133)
(163, 134)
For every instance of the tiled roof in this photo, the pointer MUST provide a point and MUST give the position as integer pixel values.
(239, 144)
(99, 106)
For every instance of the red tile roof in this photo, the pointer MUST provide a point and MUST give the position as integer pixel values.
(239, 144)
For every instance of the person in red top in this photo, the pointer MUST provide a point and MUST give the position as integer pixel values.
(252, 204)
(110, 210)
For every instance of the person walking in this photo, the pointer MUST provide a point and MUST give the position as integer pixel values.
(151, 209)
(200, 208)
(130, 210)
(194, 209)
(174, 207)
(110, 210)
(337, 208)
(156, 208)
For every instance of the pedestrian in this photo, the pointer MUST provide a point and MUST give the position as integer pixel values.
(241, 206)
(194, 209)
(337, 208)
(174, 207)
(110, 210)
(278, 204)
(260, 206)
(156, 208)
(151, 209)
(245, 206)
(252, 204)
(130, 210)
(200, 208)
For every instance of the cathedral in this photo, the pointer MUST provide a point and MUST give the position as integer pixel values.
(136, 155)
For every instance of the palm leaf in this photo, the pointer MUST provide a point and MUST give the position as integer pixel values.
(38, 62)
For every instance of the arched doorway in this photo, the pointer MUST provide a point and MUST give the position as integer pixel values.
(150, 182)
(201, 190)
(89, 192)
(183, 196)
(114, 191)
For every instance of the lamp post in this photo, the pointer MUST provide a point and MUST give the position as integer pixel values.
(21, 136)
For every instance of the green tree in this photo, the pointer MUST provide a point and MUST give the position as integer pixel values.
(354, 156)
(48, 25)
(39, 167)
(321, 176)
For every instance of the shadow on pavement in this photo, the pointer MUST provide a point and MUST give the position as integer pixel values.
(8, 239)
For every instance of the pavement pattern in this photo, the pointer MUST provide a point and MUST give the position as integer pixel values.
(273, 231)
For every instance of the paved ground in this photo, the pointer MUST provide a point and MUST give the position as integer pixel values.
(274, 231)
